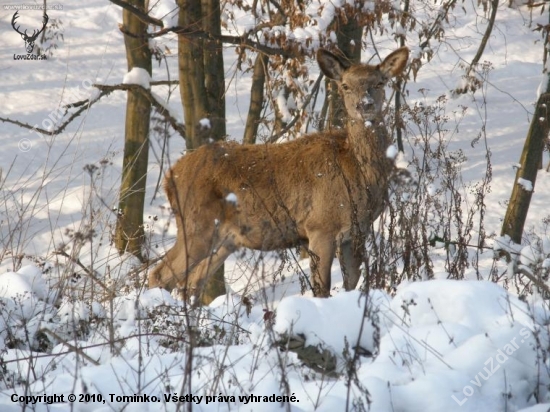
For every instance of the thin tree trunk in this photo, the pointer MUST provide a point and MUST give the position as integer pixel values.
(129, 234)
(191, 72)
(256, 99)
(531, 161)
(202, 89)
(486, 35)
(214, 72)
(215, 92)
(349, 35)
(399, 126)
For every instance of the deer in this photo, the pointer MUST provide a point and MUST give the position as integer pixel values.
(323, 190)
(29, 40)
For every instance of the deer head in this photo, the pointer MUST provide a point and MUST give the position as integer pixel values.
(29, 40)
(362, 86)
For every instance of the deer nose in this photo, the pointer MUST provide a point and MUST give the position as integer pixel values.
(366, 103)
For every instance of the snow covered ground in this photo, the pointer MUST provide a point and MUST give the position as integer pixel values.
(432, 346)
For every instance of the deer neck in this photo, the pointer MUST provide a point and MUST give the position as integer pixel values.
(369, 142)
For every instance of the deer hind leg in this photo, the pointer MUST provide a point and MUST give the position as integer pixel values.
(323, 249)
(350, 261)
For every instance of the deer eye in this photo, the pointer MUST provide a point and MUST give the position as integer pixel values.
(345, 87)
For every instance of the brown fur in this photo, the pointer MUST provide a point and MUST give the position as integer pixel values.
(322, 190)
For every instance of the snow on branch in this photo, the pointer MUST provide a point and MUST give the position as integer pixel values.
(138, 76)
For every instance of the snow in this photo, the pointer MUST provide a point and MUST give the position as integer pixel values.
(391, 152)
(205, 123)
(138, 76)
(526, 184)
(308, 316)
(282, 105)
(231, 198)
(506, 244)
(433, 345)
(529, 255)
(401, 161)
(13, 285)
(456, 341)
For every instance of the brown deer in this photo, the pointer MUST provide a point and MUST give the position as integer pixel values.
(323, 190)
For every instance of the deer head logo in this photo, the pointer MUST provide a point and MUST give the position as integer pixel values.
(29, 40)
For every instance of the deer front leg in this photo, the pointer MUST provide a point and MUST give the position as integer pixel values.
(181, 260)
(171, 267)
(323, 249)
(197, 282)
(350, 261)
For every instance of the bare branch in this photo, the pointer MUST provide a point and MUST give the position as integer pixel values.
(291, 124)
(242, 41)
(87, 103)
(177, 126)
(24, 125)
(144, 17)
(71, 347)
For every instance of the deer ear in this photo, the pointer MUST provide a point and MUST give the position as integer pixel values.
(394, 64)
(331, 65)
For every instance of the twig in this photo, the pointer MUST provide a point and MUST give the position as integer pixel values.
(71, 347)
(84, 268)
(243, 41)
(107, 89)
(144, 17)
(291, 124)
(24, 125)
(83, 104)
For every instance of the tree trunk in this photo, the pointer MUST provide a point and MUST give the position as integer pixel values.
(191, 72)
(256, 99)
(349, 35)
(129, 234)
(531, 161)
(202, 89)
(399, 125)
(214, 72)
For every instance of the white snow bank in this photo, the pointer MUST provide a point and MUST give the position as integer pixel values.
(23, 306)
(343, 314)
(441, 345)
(136, 303)
(24, 283)
(15, 286)
(444, 344)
